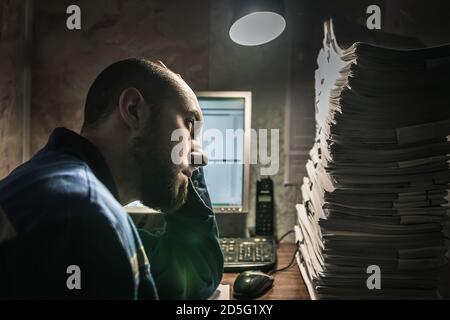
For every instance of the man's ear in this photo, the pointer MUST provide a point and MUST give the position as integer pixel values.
(132, 108)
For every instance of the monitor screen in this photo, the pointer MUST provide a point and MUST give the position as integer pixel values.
(223, 143)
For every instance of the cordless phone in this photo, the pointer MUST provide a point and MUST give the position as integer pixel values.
(264, 225)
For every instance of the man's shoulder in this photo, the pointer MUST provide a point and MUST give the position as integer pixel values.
(55, 186)
(55, 174)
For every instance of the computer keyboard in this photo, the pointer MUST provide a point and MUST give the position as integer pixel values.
(257, 253)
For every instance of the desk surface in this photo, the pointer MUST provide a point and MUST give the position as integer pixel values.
(288, 284)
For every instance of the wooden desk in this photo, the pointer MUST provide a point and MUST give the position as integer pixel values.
(288, 284)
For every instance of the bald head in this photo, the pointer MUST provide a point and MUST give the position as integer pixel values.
(154, 81)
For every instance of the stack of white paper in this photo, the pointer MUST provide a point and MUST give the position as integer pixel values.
(378, 173)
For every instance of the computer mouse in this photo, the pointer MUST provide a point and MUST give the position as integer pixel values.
(252, 284)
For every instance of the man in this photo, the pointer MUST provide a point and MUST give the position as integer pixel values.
(63, 230)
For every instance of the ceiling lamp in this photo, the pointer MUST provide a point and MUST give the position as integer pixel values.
(256, 22)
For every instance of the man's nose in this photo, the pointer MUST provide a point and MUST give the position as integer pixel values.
(198, 157)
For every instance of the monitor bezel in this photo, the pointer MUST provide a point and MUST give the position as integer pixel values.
(247, 96)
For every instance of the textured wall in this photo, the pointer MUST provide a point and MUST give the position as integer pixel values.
(66, 62)
(12, 40)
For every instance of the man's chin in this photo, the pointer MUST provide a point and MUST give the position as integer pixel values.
(172, 203)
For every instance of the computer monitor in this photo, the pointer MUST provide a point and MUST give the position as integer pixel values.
(227, 116)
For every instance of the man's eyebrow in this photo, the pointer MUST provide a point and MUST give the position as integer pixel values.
(197, 115)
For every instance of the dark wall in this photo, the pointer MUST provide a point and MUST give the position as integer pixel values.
(425, 21)
(66, 62)
(12, 42)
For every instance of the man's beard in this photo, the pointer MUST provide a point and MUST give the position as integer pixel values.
(159, 187)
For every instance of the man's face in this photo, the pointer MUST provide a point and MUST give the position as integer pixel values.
(164, 182)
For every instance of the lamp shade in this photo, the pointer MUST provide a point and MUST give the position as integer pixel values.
(256, 22)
